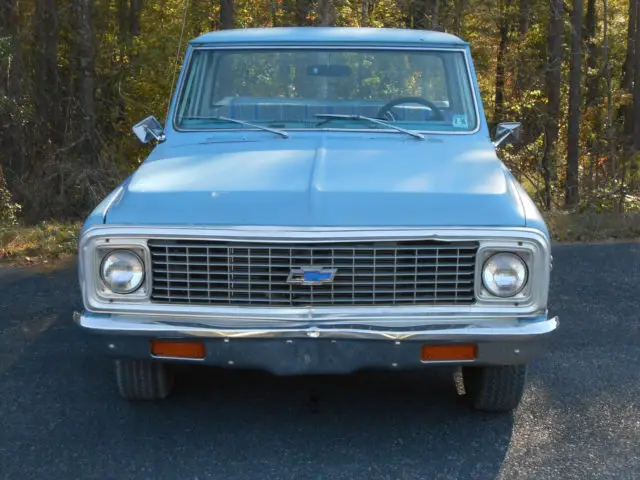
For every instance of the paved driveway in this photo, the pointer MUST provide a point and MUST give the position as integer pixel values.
(60, 416)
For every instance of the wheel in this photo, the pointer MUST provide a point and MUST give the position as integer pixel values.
(495, 389)
(143, 379)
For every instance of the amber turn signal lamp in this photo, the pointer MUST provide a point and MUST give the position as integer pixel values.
(163, 348)
(446, 353)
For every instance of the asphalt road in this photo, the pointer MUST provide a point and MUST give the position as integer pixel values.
(60, 415)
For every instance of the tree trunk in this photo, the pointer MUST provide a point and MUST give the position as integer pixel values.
(364, 14)
(636, 86)
(273, 4)
(435, 11)
(134, 17)
(457, 19)
(524, 12)
(227, 14)
(85, 74)
(302, 13)
(46, 80)
(552, 87)
(593, 93)
(593, 75)
(118, 63)
(629, 64)
(498, 112)
(611, 147)
(523, 28)
(123, 21)
(12, 66)
(572, 193)
(327, 13)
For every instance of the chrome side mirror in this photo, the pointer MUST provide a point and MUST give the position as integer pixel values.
(148, 129)
(506, 130)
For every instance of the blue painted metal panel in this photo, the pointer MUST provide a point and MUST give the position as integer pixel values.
(323, 178)
(292, 35)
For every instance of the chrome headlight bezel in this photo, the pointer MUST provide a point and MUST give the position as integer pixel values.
(96, 291)
(535, 256)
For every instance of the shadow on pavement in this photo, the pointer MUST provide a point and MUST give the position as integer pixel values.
(62, 415)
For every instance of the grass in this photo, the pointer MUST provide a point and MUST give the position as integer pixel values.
(50, 241)
(41, 243)
(593, 227)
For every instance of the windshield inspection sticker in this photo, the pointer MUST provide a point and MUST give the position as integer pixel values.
(460, 121)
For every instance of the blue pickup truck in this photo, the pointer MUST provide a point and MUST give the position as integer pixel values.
(320, 200)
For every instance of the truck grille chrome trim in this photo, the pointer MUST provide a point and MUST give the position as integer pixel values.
(366, 273)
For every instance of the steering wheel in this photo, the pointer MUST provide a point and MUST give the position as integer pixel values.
(385, 110)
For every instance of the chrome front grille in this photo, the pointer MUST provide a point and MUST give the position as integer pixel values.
(368, 273)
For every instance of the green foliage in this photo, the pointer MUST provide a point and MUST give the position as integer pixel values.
(9, 210)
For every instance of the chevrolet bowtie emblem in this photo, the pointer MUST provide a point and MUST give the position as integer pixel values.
(311, 275)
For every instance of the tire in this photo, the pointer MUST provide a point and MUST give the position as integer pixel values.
(495, 389)
(143, 379)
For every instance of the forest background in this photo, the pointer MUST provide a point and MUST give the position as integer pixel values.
(76, 74)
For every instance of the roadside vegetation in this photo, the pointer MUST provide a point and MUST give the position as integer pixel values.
(42, 243)
(593, 226)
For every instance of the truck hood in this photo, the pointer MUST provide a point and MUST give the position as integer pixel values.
(383, 180)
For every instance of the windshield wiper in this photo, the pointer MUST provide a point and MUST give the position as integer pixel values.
(337, 116)
(282, 133)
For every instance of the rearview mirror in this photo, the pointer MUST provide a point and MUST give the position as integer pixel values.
(148, 129)
(328, 70)
(507, 130)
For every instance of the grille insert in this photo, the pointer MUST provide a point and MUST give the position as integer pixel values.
(223, 273)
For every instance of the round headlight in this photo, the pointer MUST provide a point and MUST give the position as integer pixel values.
(122, 271)
(504, 274)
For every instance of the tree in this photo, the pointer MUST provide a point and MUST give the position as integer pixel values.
(628, 72)
(593, 75)
(459, 8)
(553, 79)
(11, 63)
(524, 13)
(327, 13)
(302, 8)
(503, 27)
(46, 77)
(227, 14)
(636, 84)
(134, 17)
(85, 75)
(572, 194)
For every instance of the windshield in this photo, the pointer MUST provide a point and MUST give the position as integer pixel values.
(426, 90)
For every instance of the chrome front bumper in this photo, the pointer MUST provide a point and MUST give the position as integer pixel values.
(326, 348)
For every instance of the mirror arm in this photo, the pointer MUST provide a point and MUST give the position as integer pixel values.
(158, 138)
(496, 143)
